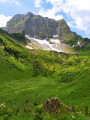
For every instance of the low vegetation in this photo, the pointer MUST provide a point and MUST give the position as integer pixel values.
(28, 78)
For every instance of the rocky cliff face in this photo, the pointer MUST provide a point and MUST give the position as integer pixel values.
(38, 26)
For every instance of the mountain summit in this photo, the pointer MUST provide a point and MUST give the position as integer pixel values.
(55, 35)
(38, 26)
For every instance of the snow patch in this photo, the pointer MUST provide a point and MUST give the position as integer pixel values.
(29, 47)
(55, 40)
(79, 43)
(73, 46)
(45, 45)
(55, 36)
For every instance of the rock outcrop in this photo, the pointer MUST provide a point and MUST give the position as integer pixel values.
(54, 105)
(38, 26)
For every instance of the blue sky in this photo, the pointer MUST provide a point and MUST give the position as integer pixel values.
(75, 12)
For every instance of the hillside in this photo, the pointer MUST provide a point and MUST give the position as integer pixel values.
(46, 34)
(36, 75)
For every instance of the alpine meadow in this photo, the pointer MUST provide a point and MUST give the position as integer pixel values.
(44, 70)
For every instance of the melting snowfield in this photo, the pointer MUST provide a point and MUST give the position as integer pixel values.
(53, 45)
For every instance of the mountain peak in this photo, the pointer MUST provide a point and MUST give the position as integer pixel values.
(29, 14)
(38, 26)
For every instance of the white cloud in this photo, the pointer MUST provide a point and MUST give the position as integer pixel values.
(47, 13)
(78, 12)
(58, 17)
(11, 2)
(3, 0)
(17, 3)
(38, 3)
(3, 20)
(50, 13)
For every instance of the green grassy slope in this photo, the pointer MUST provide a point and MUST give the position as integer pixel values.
(38, 75)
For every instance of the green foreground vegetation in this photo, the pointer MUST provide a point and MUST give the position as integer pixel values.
(36, 75)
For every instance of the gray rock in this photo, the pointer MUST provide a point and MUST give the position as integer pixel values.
(38, 26)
